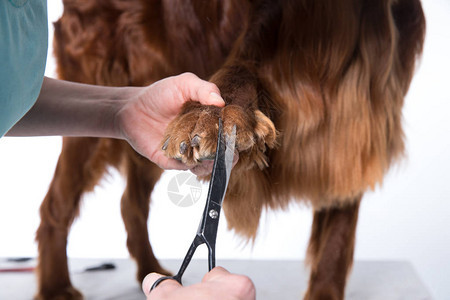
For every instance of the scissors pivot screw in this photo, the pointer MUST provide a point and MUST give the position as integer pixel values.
(213, 214)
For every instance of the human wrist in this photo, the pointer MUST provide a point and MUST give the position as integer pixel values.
(122, 110)
(107, 104)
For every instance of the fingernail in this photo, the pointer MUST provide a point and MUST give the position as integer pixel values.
(216, 98)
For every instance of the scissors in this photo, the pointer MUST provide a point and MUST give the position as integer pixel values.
(207, 230)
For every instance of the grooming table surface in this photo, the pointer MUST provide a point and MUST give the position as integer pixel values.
(273, 279)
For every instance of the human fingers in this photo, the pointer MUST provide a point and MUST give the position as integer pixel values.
(164, 287)
(206, 166)
(168, 163)
(215, 273)
(238, 286)
(203, 169)
(196, 89)
(172, 164)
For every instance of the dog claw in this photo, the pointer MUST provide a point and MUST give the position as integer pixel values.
(209, 157)
(195, 141)
(183, 147)
(166, 144)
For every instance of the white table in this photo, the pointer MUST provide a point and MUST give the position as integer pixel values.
(378, 280)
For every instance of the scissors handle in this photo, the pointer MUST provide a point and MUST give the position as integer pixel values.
(184, 265)
(198, 240)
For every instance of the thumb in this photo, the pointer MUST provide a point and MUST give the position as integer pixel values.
(167, 285)
(196, 89)
(148, 282)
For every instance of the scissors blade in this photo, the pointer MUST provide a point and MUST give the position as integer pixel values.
(217, 189)
(220, 176)
(230, 142)
(222, 166)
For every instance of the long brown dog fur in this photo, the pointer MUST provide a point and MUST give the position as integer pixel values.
(315, 87)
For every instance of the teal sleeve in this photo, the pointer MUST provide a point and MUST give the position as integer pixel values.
(23, 53)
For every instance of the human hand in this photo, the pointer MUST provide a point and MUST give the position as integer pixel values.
(145, 116)
(218, 284)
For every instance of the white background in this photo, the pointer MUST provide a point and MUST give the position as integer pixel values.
(406, 219)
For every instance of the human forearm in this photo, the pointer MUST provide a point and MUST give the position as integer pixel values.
(72, 109)
(139, 115)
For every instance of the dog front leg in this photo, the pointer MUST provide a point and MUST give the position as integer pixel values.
(142, 176)
(80, 166)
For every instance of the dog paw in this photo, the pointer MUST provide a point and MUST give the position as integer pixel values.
(69, 293)
(192, 136)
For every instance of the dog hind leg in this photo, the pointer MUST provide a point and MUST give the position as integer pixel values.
(330, 251)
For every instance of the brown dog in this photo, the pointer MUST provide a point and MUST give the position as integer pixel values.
(315, 88)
